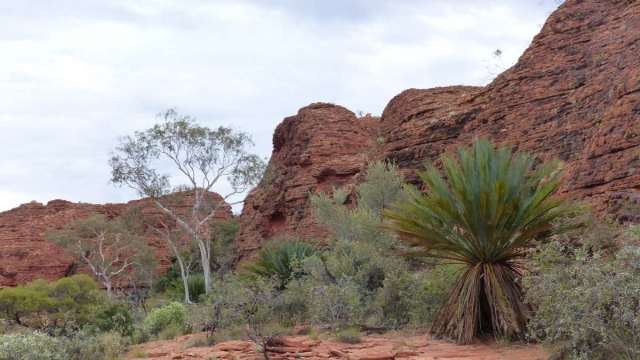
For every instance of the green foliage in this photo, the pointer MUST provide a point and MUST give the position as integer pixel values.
(73, 300)
(586, 299)
(20, 301)
(491, 206)
(223, 235)
(114, 317)
(66, 304)
(359, 278)
(76, 346)
(277, 260)
(173, 314)
(31, 346)
(260, 315)
(103, 346)
(221, 309)
(163, 283)
(196, 285)
(338, 303)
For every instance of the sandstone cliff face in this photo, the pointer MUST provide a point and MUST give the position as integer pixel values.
(574, 94)
(323, 146)
(25, 256)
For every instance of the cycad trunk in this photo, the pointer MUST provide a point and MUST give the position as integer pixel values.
(485, 294)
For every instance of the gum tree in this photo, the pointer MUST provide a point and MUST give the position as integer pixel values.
(109, 247)
(201, 158)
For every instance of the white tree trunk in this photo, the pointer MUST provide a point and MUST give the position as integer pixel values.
(184, 272)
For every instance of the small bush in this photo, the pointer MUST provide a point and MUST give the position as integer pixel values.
(336, 303)
(83, 345)
(31, 346)
(171, 332)
(586, 299)
(198, 342)
(139, 354)
(162, 318)
(221, 308)
(350, 335)
(114, 318)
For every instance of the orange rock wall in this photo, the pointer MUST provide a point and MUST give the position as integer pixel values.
(574, 94)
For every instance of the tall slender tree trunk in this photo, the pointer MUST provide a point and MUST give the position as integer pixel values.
(184, 273)
(206, 266)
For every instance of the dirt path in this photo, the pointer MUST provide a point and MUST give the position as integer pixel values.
(389, 347)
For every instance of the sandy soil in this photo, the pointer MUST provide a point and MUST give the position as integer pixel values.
(374, 347)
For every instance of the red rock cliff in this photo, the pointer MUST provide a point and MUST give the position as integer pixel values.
(25, 256)
(574, 94)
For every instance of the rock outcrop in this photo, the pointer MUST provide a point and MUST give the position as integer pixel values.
(574, 94)
(25, 256)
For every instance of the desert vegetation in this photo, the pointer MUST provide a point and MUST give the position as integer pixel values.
(485, 248)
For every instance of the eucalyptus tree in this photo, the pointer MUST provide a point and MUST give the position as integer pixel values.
(202, 158)
(487, 211)
(110, 248)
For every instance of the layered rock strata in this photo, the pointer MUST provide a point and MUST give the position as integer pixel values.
(574, 95)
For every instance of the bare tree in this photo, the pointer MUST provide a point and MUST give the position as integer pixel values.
(108, 247)
(202, 158)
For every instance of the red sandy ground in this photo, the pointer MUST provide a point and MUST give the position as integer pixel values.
(387, 347)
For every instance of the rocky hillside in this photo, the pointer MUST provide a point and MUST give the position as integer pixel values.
(574, 94)
(24, 254)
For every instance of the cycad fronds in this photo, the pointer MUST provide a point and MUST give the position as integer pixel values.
(276, 259)
(490, 207)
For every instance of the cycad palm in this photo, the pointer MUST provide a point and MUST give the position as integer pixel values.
(490, 209)
(277, 260)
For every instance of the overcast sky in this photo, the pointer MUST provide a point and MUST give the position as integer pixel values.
(76, 74)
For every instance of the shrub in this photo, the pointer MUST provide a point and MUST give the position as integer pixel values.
(31, 346)
(337, 303)
(349, 335)
(60, 306)
(81, 346)
(381, 288)
(161, 318)
(278, 260)
(114, 318)
(260, 315)
(139, 354)
(587, 299)
(221, 308)
(199, 342)
(171, 332)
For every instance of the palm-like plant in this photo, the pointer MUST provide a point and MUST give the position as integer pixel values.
(488, 211)
(276, 260)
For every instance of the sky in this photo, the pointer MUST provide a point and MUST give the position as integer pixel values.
(75, 75)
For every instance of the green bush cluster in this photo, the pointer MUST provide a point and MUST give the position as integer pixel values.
(65, 305)
(78, 346)
(115, 317)
(31, 346)
(166, 317)
(587, 299)
(356, 278)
